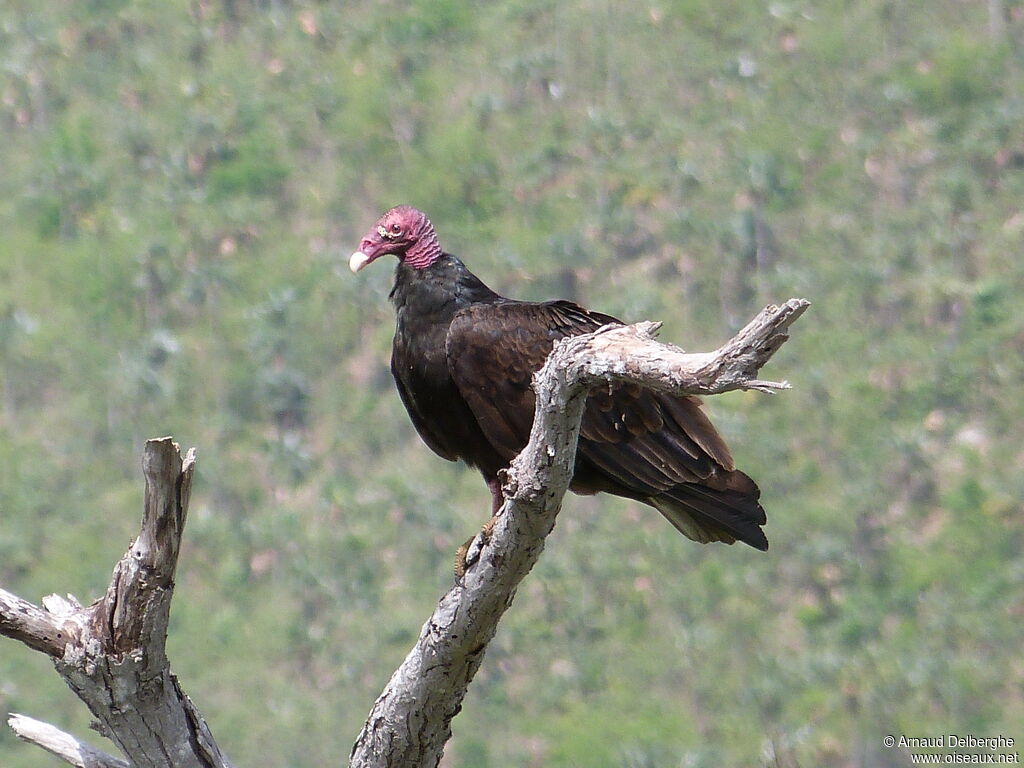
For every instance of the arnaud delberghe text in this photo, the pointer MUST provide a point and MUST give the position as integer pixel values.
(954, 741)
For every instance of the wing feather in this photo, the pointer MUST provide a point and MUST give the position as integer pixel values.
(654, 447)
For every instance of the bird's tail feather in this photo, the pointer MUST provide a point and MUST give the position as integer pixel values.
(731, 513)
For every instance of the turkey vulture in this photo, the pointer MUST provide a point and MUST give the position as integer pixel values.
(463, 360)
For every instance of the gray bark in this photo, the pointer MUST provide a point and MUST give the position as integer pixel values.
(112, 653)
(62, 745)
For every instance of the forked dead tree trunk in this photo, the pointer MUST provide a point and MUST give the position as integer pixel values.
(112, 653)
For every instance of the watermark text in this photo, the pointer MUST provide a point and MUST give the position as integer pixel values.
(956, 749)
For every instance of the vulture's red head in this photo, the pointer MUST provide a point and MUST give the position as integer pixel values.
(403, 231)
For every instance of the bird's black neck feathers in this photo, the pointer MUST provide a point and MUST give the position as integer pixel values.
(442, 288)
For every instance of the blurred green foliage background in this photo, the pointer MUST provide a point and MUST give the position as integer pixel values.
(181, 183)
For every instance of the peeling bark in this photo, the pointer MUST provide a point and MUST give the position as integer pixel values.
(112, 653)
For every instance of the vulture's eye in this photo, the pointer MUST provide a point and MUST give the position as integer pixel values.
(396, 228)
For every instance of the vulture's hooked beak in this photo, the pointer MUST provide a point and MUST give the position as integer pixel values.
(358, 260)
(369, 249)
(377, 243)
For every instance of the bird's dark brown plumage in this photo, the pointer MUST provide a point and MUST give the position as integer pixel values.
(463, 361)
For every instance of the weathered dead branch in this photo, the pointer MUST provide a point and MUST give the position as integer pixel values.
(112, 653)
(62, 745)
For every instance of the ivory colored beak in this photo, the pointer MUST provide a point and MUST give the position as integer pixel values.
(358, 260)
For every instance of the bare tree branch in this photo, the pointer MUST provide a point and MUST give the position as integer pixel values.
(620, 353)
(112, 653)
(63, 745)
(35, 627)
(410, 722)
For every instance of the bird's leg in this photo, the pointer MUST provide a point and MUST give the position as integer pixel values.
(497, 499)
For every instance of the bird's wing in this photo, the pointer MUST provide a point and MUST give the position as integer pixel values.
(493, 351)
(650, 446)
(646, 441)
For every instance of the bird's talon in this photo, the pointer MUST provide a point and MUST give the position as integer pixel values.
(467, 554)
(460, 565)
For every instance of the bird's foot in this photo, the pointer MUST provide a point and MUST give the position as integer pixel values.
(467, 554)
(461, 565)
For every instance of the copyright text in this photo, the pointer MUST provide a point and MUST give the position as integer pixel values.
(956, 749)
